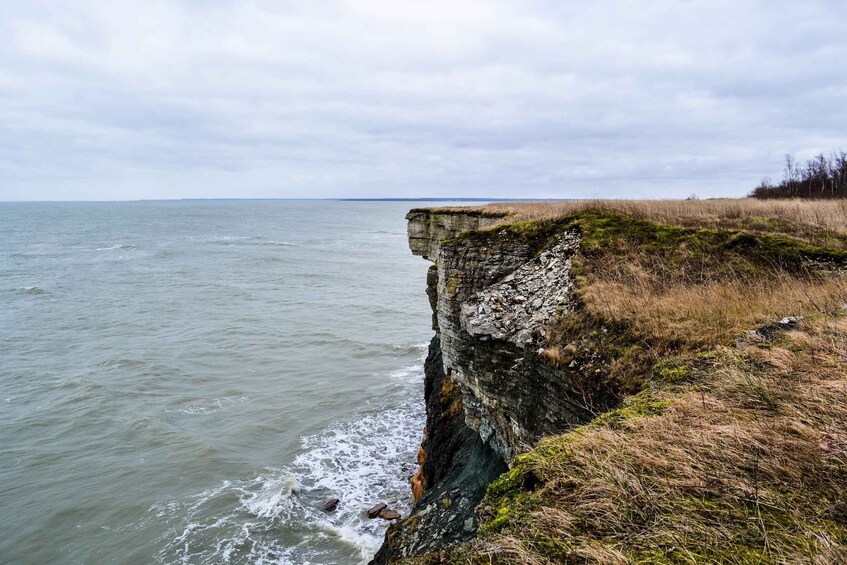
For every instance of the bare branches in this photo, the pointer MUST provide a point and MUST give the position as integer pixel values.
(821, 177)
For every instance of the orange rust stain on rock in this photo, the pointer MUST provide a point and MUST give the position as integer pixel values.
(418, 485)
(418, 481)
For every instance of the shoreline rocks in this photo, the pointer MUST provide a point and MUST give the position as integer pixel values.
(374, 511)
(381, 510)
(389, 514)
(331, 505)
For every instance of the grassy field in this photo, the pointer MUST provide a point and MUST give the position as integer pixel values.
(719, 448)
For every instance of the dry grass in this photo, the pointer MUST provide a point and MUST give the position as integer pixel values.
(709, 312)
(647, 291)
(725, 455)
(742, 460)
(815, 221)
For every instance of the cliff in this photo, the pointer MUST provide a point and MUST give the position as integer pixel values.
(487, 388)
(548, 332)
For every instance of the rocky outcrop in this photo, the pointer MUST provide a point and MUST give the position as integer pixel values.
(428, 228)
(496, 297)
(490, 394)
(455, 471)
(520, 307)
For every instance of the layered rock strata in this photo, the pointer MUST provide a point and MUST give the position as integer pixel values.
(489, 393)
(427, 229)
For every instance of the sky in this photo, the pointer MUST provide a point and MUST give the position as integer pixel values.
(124, 100)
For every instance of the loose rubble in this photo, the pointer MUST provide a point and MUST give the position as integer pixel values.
(768, 332)
(519, 307)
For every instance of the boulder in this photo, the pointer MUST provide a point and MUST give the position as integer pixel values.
(331, 505)
(389, 514)
(374, 511)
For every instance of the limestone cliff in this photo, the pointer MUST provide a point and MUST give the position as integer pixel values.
(488, 388)
(630, 326)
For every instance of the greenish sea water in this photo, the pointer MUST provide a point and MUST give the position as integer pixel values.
(188, 382)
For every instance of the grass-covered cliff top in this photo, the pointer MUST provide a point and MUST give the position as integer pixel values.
(716, 450)
(813, 221)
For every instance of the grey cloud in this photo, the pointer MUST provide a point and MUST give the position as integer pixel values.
(104, 100)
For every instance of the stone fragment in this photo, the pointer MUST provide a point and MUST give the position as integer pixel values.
(331, 505)
(768, 332)
(374, 511)
(389, 514)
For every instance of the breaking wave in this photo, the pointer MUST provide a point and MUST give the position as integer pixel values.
(278, 516)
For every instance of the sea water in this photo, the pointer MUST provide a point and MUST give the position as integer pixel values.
(190, 381)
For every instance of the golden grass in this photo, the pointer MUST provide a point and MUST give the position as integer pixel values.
(743, 462)
(714, 213)
(706, 315)
(725, 455)
(646, 291)
(816, 221)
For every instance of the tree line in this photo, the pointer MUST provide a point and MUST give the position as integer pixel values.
(819, 177)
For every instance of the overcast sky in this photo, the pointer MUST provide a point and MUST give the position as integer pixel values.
(118, 100)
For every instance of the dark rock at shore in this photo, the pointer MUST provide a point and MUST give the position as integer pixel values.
(376, 509)
(331, 505)
(456, 469)
(389, 514)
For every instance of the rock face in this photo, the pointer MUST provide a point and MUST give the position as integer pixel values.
(520, 306)
(428, 229)
(456, 469)
(489, 393)
(494, 301)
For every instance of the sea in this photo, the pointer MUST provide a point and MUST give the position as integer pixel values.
(191, 381)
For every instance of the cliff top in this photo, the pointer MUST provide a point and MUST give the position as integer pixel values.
(727, 443)
(813, 221)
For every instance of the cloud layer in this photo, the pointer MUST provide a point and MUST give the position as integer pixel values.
(366, 98)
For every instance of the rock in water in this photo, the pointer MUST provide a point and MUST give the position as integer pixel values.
(331, 505)
(389, 514)
(376, 509)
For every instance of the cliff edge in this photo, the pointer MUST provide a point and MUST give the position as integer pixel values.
(562, 378)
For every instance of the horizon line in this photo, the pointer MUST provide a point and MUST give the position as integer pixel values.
(387, 199)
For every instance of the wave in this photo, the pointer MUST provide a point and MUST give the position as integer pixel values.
(33, 290)
(422, 347)
(120, 362)
(117, 246)
(278, 516)
(365, 349)
(284, 243)
(207, 405)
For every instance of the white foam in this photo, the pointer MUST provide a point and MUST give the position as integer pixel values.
(361, 461)
(410, 372)
(31, 289)
(116, 246)
(207, 405)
